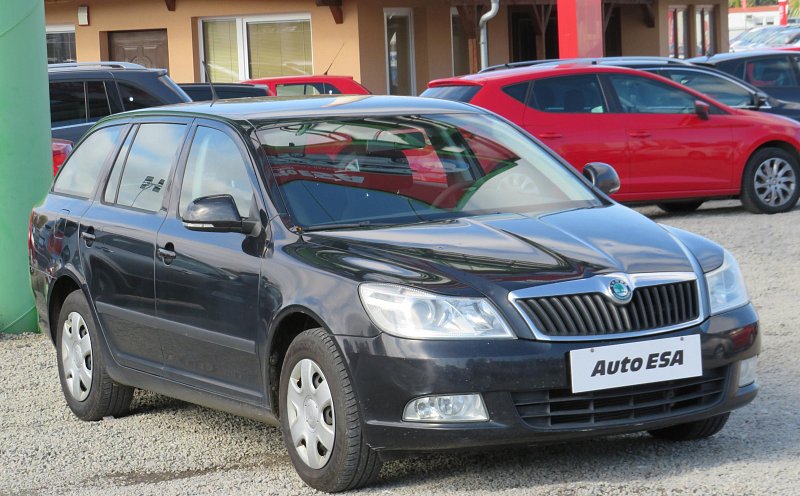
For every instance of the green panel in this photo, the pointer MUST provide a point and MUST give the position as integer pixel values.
(25, 157)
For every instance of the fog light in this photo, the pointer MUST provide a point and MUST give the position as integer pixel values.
(446, 408)
(747, 371)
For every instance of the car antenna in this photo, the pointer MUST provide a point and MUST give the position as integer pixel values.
(210, 84)
(333, 60)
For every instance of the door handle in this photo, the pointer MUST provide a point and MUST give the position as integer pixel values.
(88, 236)
(550, 135)
(638, 134)
(166, 254)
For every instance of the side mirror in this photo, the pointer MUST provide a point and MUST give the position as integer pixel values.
(603, 176)
(702, 109)
(760, 100)
(216, 213)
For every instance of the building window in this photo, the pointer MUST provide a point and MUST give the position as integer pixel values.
(256, 47)
(460, 44)
(678, 17)
(60, 44)
(399, 26)
(705, 29)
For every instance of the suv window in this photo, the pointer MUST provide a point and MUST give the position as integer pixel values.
(770, 72)
(569, 94)
(134, 97)
(716, 87)
(67, 103)
(643, 95)
(216, 166)
(148, 164)
(97, 100)
(79, 174)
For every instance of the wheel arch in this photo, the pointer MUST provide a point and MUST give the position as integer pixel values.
(783, 145)
(62, 287)
(289, 323)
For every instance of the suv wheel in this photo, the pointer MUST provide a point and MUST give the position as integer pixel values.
(320, 417)
(689, 431)
(89, 391)
(769, 183)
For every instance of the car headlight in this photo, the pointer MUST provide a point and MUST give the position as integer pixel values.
(413, 313)
(726, 288)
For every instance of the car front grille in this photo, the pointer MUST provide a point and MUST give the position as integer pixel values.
(561, 409)
(593, 314)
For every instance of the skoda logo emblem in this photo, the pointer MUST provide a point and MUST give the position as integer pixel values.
(621, 290)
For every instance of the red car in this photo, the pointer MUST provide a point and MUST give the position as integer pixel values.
(670, 145)
(311, 85)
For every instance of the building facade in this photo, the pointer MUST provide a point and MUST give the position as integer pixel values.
(390, 46)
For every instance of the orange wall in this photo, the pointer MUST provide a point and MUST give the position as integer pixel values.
(121, 15)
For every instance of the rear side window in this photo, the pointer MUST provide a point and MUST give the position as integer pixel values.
(569, 94)
(97, 100)
(770, 73)
(134, 98)
(459, 93)
(79, 174)
(149, 162)
(517, 91)
(67, 103)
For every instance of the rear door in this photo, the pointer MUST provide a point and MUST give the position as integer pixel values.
(673, 152)
(207, 283)
(573, 117)
(119, 232)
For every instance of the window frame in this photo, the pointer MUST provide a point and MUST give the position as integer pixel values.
(61, 29)
(242, 46)
(104, 168)
(408, 12)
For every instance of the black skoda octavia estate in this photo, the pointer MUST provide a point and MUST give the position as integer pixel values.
(379, 276)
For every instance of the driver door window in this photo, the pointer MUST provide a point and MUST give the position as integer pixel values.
(216, 166)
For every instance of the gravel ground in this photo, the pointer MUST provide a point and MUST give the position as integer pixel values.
(168, 447)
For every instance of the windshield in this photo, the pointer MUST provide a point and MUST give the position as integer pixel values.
(387, 170)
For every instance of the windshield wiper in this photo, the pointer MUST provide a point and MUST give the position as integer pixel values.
(343, 225)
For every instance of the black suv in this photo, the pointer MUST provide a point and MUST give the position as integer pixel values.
(379, 275)
(83, 93)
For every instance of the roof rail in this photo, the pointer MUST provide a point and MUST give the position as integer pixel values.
(587, 60)
(111, 65)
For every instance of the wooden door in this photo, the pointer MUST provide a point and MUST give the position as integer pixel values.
(147, 48)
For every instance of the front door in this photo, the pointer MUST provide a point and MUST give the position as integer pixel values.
(207, 283)
(147, 48)
(672, 150)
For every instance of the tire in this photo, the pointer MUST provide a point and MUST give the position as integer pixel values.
(334, 420)
(769, 182)
(690, 431)
(89, 391)
(681, 207)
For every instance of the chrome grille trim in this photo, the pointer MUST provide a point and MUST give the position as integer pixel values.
(600, 284)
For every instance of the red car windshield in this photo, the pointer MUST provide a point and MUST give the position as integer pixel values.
(367, 171)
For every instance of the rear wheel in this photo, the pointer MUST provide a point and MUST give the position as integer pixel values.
(689, 431)
(321, 419)
(89, 391)
(769, 182)
(681, 207)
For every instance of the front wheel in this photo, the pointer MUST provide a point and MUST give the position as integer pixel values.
(90, 393)
(690, 431)
(320, 417)
(769, 182)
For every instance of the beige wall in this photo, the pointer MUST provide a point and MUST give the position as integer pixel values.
(122, 15)
(638, 39)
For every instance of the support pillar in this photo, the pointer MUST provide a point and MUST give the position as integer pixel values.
(26, 161)
(580, 28)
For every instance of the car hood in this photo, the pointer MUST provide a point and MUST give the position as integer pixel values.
(502, 252)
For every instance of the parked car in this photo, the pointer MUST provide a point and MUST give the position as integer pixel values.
(776, 72)
(61, 149)
(83, 93)
(673, 146)
(311, 85)
(719, 85)
(754, 38)
(200, 92)
(379, 276)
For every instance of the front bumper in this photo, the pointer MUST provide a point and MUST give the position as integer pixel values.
(388, 372)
